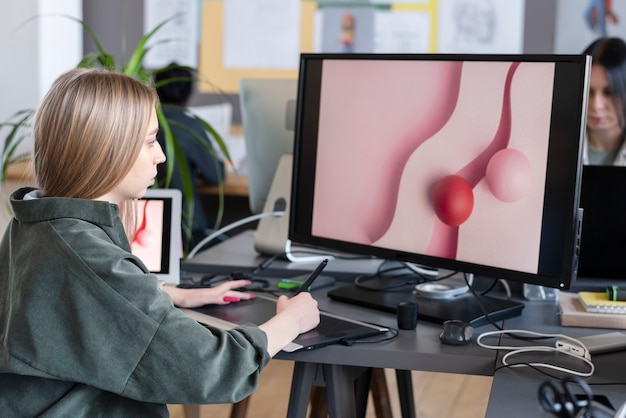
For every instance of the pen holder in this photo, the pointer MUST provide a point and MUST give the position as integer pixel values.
(407, 315)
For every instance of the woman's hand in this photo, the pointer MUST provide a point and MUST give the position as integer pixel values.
(293, 317)
(221, 294)
(301, 308)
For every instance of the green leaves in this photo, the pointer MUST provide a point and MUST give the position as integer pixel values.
(16, 127)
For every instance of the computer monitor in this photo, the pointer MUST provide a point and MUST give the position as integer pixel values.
(268, 116)
(603, 234)
(468, 163)
(157, 241)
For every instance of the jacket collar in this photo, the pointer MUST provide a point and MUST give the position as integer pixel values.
(49, 208)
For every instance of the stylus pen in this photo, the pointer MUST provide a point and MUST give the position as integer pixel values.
(307, 283)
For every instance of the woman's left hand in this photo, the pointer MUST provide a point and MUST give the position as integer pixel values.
(221, 294)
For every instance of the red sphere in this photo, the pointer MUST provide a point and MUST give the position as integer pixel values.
(453, 200)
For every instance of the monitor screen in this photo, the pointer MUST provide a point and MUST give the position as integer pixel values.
(469, 163)
(157, 240)
(603, 234)
(268, 116)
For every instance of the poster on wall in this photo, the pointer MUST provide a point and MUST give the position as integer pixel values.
(481, 26)
(380, 26)
(261, 34)
(344, 27)
(580, 22)
(403, 31)
(177, 40)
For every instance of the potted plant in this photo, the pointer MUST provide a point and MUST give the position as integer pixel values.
(17, 127)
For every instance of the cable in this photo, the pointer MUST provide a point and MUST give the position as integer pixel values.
(578, 350)
(393, 335)
(422, 270)
(227, 228)
(399, 280)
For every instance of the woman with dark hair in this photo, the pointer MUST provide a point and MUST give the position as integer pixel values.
(606, 113)
(174, 85)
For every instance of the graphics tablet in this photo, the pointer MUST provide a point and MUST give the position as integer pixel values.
(332, 329)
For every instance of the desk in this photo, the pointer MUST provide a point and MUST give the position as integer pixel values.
(513, 390)
(234, 185)
(21, 172)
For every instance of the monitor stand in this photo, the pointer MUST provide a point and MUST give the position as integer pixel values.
(271, 235)
(464, 306)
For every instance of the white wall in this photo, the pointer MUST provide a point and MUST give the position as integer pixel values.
(35, 50)
(572, 35)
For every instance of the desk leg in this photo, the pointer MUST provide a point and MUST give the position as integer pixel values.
(405, 392)
(340, 391)
(302, 381)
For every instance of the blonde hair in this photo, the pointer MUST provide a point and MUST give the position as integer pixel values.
(88, 132)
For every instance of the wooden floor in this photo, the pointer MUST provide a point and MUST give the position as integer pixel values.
(436, 395)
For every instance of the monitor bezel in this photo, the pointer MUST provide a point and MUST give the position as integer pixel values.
(563, 176)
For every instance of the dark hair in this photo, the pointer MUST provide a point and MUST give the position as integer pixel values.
(611, 54)
(173, 84)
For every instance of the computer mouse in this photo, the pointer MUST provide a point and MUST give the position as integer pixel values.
(455, 332)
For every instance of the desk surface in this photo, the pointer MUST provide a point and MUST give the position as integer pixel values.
(234, 185)
(238, 252)
(412, 350)
(22, 171)
(514, 391)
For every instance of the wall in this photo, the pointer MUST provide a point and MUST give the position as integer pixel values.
(572, 35)
(31, 54)
(119, 27)
(20, 58)
(117, 21)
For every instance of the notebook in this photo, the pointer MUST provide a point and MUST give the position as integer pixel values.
(157, 240)
(603, 234)
(332, 329)
(573, 314)
(599, 302)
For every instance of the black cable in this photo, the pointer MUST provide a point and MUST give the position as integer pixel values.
(210, 280)
(490, 287)
(393, 331)
(491, 321)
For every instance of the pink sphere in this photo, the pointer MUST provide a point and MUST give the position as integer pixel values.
(509, 175)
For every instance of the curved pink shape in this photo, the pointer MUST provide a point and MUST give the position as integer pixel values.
(439, 115)
(475, 171)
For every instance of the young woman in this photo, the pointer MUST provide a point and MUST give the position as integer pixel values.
(606, 113)
(85, 329)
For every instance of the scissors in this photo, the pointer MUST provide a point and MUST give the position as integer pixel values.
(564, 402)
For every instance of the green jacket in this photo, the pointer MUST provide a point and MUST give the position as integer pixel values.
(85, 330)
